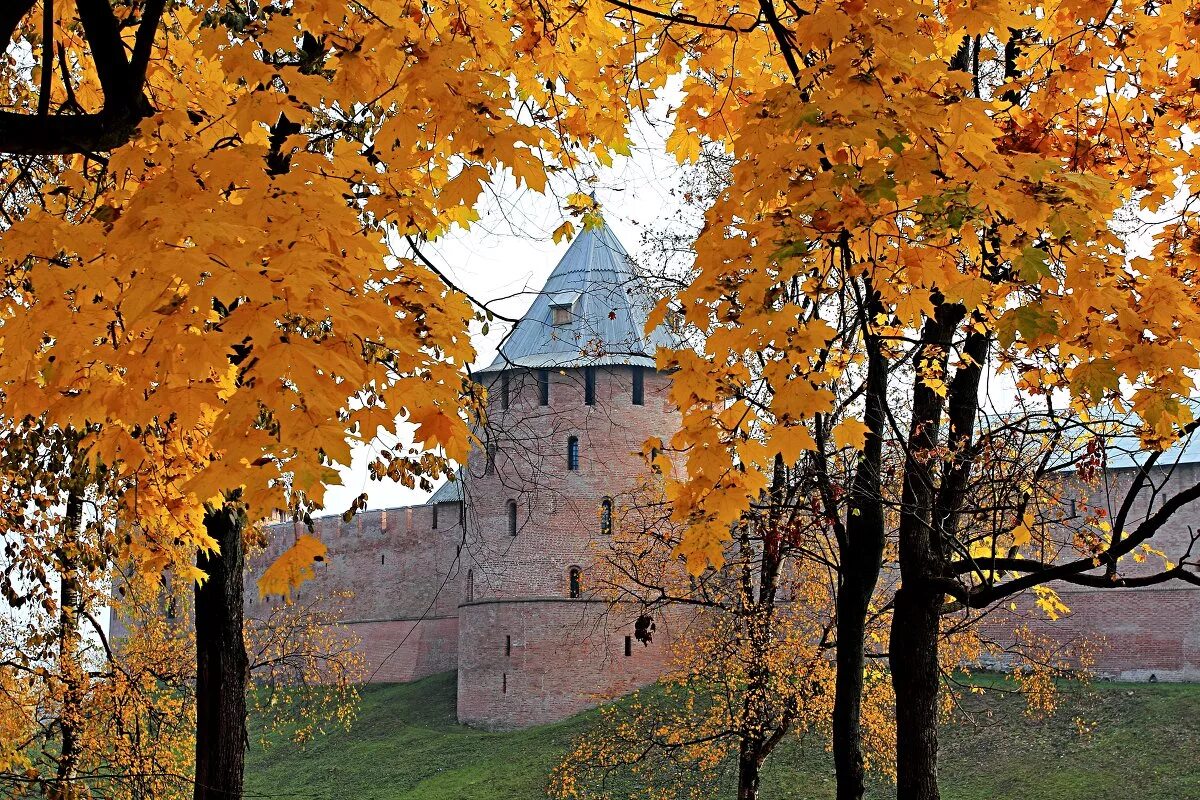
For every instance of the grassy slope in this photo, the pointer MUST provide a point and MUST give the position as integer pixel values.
(405, 744)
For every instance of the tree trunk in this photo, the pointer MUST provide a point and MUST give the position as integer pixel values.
(749, 768)
(913, 651)
(860, 546)
(854, 595)
(915, 677)
(222, 667)
(70, 670)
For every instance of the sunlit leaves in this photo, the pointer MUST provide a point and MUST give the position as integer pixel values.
(292, 568)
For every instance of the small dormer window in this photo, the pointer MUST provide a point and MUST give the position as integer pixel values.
(562, 306)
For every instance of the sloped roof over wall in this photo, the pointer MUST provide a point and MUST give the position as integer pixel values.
(607, 304)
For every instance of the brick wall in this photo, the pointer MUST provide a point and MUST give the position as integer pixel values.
(404, 576)
(558, 510)
(529, 662)
(1135, 633)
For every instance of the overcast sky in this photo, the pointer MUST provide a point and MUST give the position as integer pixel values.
(507, 256)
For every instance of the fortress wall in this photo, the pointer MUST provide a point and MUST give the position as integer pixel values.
(404, 579)
(397, 651)
(1134, 633)
(1153, 630)
(566, 656)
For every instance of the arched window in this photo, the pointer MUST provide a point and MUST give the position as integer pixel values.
(511, 507)
(574, 582)
(606, 522)
(573, 453)
(470, 585)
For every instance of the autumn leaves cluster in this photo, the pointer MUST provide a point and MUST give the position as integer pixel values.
(215, 216)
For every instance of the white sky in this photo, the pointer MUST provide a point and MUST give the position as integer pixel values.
(509, 253)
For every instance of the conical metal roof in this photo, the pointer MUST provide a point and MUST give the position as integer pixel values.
(591, 312)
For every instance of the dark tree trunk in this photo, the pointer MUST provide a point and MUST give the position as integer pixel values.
(853, 598)
(913, 650)
(915, 677)
(860, 545)
(222, 667)
(749, 769)
(70, 602)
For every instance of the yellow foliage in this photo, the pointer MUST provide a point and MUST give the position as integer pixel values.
(292, 568)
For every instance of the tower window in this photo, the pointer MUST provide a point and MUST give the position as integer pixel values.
(543, 382)
(574, 582)
(381, 557)
(435, 505)
(639, 387)
(560, 315)
(470, 585)
(628, 646)
(504, 391)
(606, 516)
(511, 508)
(573, 453)
(589, 386)
(504, 683)
(489, 465)
(508, 645)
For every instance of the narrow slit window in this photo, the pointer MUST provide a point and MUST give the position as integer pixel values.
(573, 453)
(639, 387)
(508, 645)
(589, 386)
(504, 683)
(511, 510)
(606, 516)
(435, 510)
(504, 391)
(574, 582)
(381, 557)
(543, 382)
(489, 464)
(470, 585)
(628, 646)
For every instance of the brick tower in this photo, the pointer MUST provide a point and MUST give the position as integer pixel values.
(572, 396)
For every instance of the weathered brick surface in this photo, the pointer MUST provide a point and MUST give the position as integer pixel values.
(471, 595)
(409, 578)
(1135, 633)
(528, 662)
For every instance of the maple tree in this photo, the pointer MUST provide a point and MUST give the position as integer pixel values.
(80, 712)
(921, 195)
(196, 247)
(749, 663)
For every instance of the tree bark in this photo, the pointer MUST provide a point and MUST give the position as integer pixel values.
(749, 771)
(222, 666)
(915, 677)
(70, 601)
(854, 595)
(913, 650)
(860, 546)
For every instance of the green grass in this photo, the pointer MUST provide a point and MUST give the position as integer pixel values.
(1144, 744)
